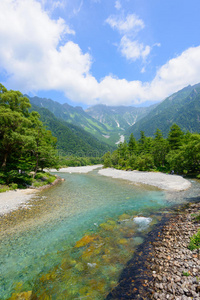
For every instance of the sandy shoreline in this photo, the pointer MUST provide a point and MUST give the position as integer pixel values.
(160, 180)
(12, 200)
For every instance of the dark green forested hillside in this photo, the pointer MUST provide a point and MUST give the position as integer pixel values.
(182, 108)
(71, 139)
(73, 115)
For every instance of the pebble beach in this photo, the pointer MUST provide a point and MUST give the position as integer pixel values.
(160, 180)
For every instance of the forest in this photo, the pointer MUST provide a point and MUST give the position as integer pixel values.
(26, 146)
(179, 153)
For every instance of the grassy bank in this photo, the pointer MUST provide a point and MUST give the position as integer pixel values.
(24, 181)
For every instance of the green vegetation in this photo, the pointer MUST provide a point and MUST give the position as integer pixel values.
(43, 178)
(195, 241)
(73, 161)
(197, 218)
(26, 146)
(179, 152)
(186, 274)
(75, 116)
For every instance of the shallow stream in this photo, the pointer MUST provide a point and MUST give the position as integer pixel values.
(73, 240)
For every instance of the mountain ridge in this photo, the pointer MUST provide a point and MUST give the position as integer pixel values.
(74, 115)
(174, 109)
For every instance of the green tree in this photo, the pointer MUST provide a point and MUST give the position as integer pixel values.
(175, 137)
(132, 144)
(24, 142)
(107, 160)
(44, 148)
(144, 143)
(160, 148)
(144, 162)
(187, 158)
(13, 134)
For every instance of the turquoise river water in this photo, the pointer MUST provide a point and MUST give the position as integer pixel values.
(73, 240)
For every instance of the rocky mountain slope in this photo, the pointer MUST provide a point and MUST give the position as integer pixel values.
(121, 117)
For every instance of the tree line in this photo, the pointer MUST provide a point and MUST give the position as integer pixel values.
(25, 144)
(178, 153)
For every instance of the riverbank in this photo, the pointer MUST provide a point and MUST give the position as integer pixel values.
(164, 267)
(82, 169)
(13, 200)
(160, 180)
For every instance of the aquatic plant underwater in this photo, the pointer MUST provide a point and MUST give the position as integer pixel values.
(91, 268)
(77, 237)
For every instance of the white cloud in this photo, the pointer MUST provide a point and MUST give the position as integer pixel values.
(131, 24)
(133, 50)
(51, 5)
(177, 73)
(118, 5)
(34, 60)
(129, 27)
(78, 9)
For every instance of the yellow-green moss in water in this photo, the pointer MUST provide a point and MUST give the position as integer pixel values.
(92, 267)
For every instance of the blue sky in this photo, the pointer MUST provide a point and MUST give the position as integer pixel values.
(86, 52)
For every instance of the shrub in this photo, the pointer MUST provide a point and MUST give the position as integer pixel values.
(186, 274)
(195, 241)
(13, 186)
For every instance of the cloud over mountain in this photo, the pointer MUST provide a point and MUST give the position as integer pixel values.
(38, 53)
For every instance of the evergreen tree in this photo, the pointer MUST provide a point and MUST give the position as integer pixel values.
(160, 148)
(175, 137)
(132, 144)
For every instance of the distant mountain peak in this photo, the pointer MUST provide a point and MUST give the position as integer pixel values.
(182, 108)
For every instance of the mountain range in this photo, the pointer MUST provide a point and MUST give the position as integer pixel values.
(100, 126)
(106, 123)
(182, 108)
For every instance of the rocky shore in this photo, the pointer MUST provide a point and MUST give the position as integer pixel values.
(166, 268)
(175, 268)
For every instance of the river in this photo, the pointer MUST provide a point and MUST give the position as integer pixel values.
(73, 240)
